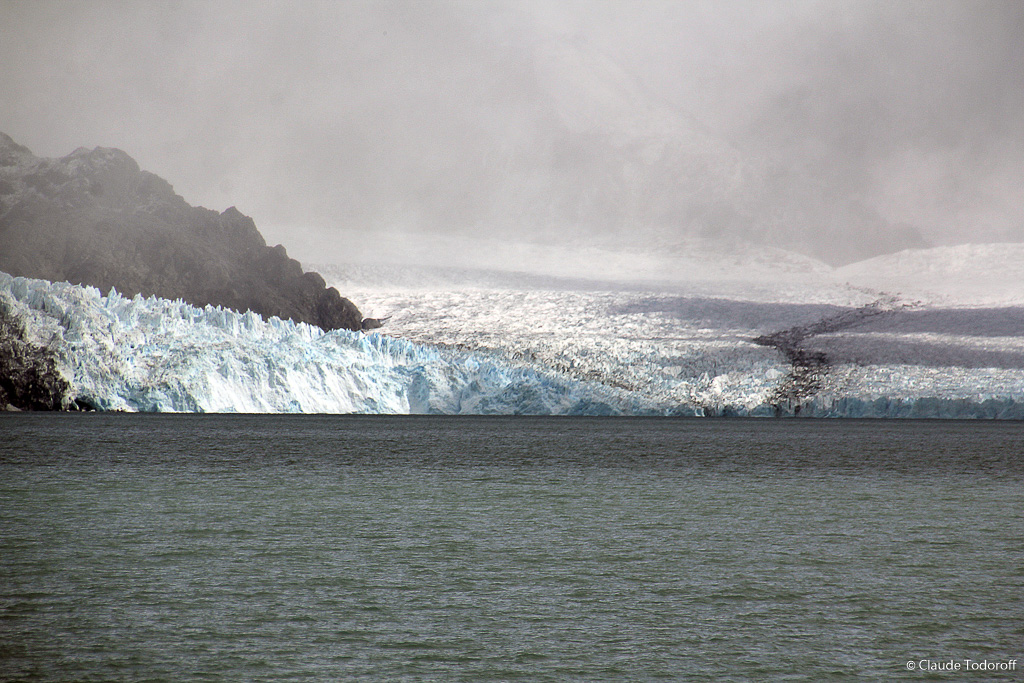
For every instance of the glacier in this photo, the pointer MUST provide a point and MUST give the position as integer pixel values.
(155, 355)
(497, 342)
(677, 326)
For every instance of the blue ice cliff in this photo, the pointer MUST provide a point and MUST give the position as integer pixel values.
(149, 354)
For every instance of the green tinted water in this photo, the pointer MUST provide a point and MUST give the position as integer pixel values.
(321, 548)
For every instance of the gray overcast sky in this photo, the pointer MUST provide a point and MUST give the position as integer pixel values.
(426, 115)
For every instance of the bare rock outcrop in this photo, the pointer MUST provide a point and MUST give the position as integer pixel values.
(29, 379)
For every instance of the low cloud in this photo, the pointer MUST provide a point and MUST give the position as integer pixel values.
(443, 117)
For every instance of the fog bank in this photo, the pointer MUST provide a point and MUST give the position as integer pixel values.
(840, 129)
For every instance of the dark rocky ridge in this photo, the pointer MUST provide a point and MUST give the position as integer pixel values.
(95, 218)
(811, 366)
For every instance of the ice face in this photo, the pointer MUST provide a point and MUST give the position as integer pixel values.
(156, 355)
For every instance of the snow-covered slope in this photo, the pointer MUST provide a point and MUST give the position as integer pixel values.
(415, 258)
(961, 275)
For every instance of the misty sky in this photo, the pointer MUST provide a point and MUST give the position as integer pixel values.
(401, 115)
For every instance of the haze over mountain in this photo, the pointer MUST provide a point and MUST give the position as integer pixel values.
(94, 217)
(840, 129)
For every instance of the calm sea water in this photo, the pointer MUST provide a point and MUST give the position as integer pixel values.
(185, 547)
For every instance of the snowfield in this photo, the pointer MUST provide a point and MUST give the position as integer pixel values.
(649, 338)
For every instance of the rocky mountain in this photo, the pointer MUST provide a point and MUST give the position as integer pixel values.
(94, 217)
